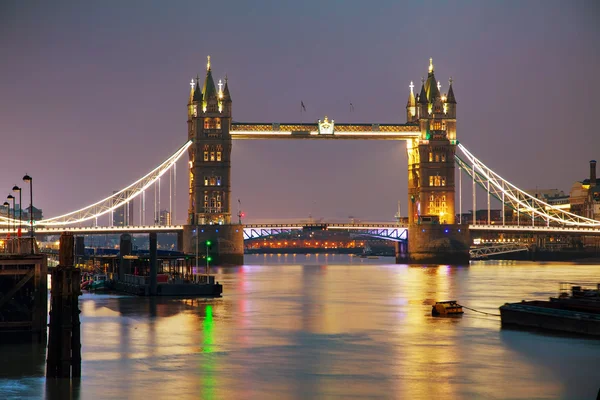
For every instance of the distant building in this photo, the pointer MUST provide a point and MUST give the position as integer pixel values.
(585, 196)
(123, 216)
(164, 217)
(37, 214)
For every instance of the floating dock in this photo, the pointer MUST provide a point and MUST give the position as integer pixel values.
(141, 286)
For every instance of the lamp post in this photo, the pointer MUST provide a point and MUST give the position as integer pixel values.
(27, 178)
(18, 189)
(7, 216)
(11, 197)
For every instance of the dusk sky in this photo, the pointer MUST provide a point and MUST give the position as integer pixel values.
(93, 94)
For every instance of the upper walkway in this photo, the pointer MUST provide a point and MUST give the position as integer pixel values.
(252, 130)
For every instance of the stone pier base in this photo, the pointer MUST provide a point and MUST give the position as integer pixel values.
(438, 244)
(227, 243)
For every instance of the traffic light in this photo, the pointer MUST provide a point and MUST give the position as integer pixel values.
(209, 258)
(208, 244)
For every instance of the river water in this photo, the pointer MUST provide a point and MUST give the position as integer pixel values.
(324, 327)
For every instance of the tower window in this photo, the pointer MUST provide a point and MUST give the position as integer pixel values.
(431, 181)
(443, 157)
(443, 181)
(430, 157)
(437, 180)
(212, 156)
(218, 181)
(218, 156)
(437, 157)
(206, 181)
(206, 156)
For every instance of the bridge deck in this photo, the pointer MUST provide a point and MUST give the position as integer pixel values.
(91, 230)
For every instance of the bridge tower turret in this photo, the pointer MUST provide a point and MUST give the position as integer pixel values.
(431, 191)
(209, 210)
(209, 120)
(411, 106)
(431, 156)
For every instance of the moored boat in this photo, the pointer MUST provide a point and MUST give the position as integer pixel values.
(100, 282)
(447, 308)
(575, 312)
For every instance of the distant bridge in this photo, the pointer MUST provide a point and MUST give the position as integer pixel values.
(388, 231)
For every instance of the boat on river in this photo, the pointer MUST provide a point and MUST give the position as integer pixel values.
(446, 308)
(577, 311)
(99, 282)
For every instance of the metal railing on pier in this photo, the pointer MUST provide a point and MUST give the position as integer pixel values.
(18, 246)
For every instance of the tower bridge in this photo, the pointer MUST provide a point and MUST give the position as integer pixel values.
(433, 152)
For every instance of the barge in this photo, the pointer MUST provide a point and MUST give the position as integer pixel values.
(575, 312)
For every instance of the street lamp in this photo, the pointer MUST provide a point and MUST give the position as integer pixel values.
(7, 216)
(11, 197)
(18, 189)
(27, 178)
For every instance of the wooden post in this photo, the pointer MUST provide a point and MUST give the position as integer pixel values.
(64, 341)
(153, 264)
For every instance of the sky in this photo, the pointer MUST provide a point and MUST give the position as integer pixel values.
(93, 94)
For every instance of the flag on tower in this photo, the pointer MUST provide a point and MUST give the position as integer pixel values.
(351, 107)
(302, 105)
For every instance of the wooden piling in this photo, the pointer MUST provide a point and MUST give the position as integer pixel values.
(64, 340)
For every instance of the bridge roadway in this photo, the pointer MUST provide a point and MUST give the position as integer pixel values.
(390, 231)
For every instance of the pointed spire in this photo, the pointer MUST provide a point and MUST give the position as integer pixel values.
(226, 95)
(197, 93)
(451, 99)
(208, 90)
(431, 85)
(423, 94)
(192, 85)
(411, 96)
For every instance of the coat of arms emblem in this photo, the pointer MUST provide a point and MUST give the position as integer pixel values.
(326, 127)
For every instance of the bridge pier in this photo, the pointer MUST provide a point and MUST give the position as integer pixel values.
(179, 242)
(125, 248)
(227, 243)
(438, 244)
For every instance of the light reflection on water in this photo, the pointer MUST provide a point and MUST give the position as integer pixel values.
(342, 328)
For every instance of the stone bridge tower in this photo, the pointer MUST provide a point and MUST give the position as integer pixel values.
(431, 172)
(431, 157)
(209, 209)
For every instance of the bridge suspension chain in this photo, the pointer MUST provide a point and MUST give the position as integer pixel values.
(515, 198)
(118, 199)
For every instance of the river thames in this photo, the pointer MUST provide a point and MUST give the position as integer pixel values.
(321, 327)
